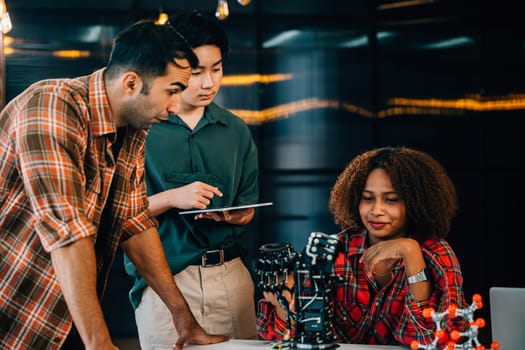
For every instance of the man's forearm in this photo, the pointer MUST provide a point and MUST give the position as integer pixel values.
(75, 269)
(147, 254)
(159, 203)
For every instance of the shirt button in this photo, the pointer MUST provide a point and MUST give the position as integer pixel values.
(56, 340)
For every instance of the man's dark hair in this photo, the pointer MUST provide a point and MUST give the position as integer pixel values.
(200, 30)
(146, 48)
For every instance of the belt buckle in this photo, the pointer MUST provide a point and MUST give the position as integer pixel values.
(204, 258)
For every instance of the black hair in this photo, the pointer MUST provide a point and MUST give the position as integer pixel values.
(200, 30)
(146, 48)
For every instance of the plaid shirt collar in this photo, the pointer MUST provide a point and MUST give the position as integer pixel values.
(100, 110)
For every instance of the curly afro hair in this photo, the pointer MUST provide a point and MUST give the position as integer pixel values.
(421, 182)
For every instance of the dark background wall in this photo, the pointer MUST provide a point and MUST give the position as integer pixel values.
(446, 77)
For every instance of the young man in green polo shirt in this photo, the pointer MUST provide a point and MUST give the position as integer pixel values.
(204, 157)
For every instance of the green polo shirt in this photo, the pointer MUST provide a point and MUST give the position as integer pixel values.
(220, 151)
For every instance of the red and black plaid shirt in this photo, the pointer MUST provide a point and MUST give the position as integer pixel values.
(365, 314)
(57, 167)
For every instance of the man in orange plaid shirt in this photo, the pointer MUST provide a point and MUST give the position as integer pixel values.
(72, 191)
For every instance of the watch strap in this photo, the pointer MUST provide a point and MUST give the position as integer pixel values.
(421, 276)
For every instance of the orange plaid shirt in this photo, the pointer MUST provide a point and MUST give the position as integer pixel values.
(57, 173)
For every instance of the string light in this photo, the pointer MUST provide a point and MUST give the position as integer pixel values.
(5, 20)
(223, 10)
(163, 18)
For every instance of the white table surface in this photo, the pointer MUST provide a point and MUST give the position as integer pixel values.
(236, 344)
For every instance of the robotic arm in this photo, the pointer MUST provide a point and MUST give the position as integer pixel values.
(314, 280)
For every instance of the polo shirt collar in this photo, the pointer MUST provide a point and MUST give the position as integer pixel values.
(215, 115)
(212, 115)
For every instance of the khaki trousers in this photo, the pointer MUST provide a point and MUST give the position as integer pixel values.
(220, 297)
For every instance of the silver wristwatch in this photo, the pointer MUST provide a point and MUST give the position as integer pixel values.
(421, 276)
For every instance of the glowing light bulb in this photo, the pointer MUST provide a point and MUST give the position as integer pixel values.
(222, 11)
(244, 2)
(163, 18)
(5, 23)
(5, 20)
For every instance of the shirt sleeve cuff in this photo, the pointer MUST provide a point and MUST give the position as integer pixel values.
(138, 224)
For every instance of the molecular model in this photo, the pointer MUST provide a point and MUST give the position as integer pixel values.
(449, 341)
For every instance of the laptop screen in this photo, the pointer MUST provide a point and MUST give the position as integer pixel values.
(507, 315)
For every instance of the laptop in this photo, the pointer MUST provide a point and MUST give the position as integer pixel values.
(507, 315)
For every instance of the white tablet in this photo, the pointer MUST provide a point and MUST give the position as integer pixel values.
(226, 208)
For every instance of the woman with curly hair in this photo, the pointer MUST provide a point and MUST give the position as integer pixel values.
(395, 205)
